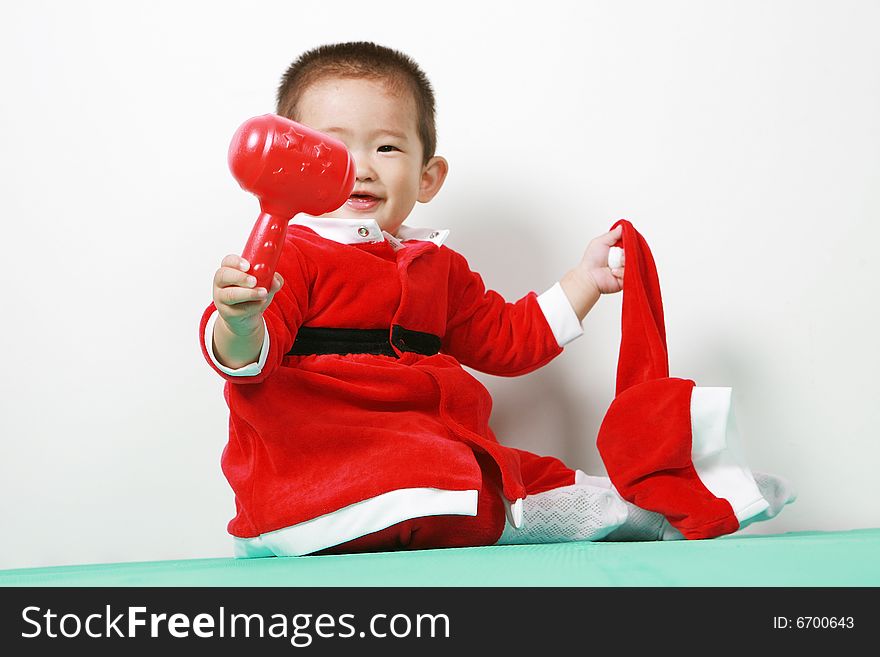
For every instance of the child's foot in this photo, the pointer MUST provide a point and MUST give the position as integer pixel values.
(570, 513)
(642, 525)
(777, 491)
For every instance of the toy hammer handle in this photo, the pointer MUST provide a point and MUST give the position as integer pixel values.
(264, 247)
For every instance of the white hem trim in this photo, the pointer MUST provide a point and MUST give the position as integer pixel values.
(561, 317)
(717, 454)
(358, 519)
(251, 369)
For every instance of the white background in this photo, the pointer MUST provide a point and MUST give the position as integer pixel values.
(741, 138)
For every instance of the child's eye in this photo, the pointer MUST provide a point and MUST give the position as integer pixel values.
(388, 147)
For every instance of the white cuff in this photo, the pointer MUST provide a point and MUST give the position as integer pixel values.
(717, 453)
(560, 315)
(251, 369)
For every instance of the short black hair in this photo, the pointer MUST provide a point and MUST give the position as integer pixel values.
(361, 59)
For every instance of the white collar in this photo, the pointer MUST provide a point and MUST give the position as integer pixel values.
(358, 231)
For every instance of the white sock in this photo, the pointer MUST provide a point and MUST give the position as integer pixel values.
(777, 491)
(640, 524)
(569, 513)
(643, 525)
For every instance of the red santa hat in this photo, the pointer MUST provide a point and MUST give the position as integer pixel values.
(667, 445)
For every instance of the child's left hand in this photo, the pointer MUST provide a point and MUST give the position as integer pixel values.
(592, 277)
(595, 263)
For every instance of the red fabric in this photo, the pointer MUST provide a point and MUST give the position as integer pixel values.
(643, 353)
(645, 439)
(543, 473)
(312, 434)
(539, 473)
(429, 532)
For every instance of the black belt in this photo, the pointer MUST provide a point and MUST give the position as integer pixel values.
(311, 340)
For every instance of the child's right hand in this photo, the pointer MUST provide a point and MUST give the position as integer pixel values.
(239, 303)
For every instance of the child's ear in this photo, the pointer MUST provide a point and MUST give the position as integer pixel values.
(433, 175)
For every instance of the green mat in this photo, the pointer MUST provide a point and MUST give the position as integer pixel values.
(845, 558)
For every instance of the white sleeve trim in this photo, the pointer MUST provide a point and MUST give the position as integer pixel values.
(251, 369)
(717, 454)
(560, 315)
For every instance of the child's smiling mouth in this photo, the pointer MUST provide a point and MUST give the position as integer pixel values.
(361, 202)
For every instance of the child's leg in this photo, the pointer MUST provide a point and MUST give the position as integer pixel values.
(569, 505)
(569, 513)
(555, 510)
(429, 532)
(640, 524)
(558, 509)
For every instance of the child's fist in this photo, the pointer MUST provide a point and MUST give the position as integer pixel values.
(238, 302)
(606, 274)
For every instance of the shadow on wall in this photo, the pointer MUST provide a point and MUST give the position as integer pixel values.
(509, 245)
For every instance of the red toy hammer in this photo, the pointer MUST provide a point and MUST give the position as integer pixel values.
(290, 168)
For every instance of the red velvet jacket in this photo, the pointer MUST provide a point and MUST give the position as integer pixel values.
(311, 434)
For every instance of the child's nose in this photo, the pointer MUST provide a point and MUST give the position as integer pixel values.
(363, 167)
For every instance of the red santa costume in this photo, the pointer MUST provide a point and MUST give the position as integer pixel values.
(358, 423)
(326, 447)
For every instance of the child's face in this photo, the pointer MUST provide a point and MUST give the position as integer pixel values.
(378, 126)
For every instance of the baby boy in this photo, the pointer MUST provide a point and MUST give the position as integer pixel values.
(353, 425)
